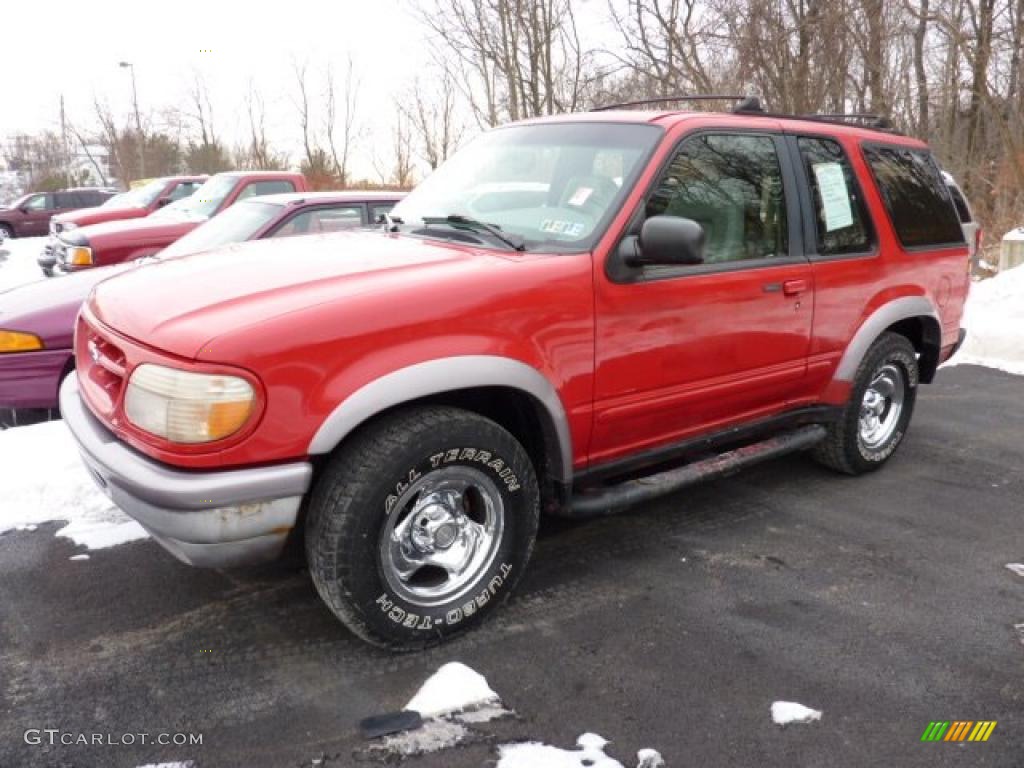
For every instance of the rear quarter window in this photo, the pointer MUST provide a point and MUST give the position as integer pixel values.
(915, 195)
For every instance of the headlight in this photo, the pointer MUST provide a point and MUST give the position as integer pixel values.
(66, 226)
(14, 341)
(186, 407)
(79, 256)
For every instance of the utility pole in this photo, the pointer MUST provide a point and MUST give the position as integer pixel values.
(138, 119)
(67, 148)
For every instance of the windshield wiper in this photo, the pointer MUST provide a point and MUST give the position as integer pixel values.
(391, 222)
(514, 242)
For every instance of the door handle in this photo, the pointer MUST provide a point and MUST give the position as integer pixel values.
(794, 287)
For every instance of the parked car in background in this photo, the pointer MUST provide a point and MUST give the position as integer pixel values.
(133, 204)
(37, 320)
(114, 242)
(29, 215)
(973, 233)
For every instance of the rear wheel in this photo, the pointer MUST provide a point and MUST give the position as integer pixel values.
(421, 525)
(878, 413)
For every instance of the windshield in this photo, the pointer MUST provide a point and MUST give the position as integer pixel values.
(202, 203)
(140, 197)
(239, 222)
(552, 185)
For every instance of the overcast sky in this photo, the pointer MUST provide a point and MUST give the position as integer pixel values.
(73, 48)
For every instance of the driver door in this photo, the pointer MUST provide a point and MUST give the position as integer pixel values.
(685, 350)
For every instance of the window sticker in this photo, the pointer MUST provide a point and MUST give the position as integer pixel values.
(835, 197)
(580, 196)
(558, 227)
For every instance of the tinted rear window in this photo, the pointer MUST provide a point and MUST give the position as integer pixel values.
(915, 195)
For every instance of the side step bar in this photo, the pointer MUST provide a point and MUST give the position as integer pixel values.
(610, 500)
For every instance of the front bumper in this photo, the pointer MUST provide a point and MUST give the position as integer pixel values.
(30, 379)
(215, 519)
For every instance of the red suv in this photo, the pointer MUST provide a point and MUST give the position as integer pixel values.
(572, 315)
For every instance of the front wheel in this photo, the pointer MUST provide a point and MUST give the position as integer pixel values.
(878, 412)
(421, 525)
(6, 233)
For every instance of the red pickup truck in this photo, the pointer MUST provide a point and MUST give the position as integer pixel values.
(113, 242)
(572, 315)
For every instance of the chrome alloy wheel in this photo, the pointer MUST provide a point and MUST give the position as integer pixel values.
(881, 406)
(442, 533)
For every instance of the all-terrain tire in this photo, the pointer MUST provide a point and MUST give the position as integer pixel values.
(401, 468)
(846, 447)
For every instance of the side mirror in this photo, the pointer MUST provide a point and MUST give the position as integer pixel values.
(162, 202)
(666, 240)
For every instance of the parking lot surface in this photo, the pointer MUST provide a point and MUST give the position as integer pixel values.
(883, 601)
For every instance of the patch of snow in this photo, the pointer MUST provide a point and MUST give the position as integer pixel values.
(482, 714)
(533, 754)
(18, 261)
(649, 758)
(994, 319)
(453, 688)
(79, 557)
(433, 736)
(45, 480)
(186, 764)
(1017, 568)
(786, 712)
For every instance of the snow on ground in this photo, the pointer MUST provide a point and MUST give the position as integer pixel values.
(456, 697)
(786, 712)
(453, 688)
(994, 319)
(18, 261)
(1017, 568)
(535, 755)
(44, 480)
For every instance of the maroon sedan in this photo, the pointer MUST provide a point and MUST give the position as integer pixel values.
(37, 320)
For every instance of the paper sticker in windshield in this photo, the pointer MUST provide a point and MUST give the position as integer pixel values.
(580, 196)
(558, 227)
(835, 197)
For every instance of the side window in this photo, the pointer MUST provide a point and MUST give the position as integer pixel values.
(377, 210)
(257, 188)
(66, 200)
(838, 206)
(183, 190)
(39, 203)
(730, 184)
(321, 220)
(915, 196)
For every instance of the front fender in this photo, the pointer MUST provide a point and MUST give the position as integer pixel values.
(439, 376)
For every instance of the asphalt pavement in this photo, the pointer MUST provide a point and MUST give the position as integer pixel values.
(883, 601)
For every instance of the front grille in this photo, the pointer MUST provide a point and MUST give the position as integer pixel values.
(101, 367)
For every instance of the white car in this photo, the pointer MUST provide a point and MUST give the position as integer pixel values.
(972, 229)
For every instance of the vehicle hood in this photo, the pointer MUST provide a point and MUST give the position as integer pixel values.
(48, 308)
(179, 304)
(86, 216)
(129, 232)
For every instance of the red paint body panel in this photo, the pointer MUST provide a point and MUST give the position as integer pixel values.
(635, 365)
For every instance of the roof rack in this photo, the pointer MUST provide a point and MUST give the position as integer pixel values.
(743, 103)
(869, 119)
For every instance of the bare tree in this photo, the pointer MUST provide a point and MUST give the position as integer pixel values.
(514, 58)
(347, 138)
(430, 112)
